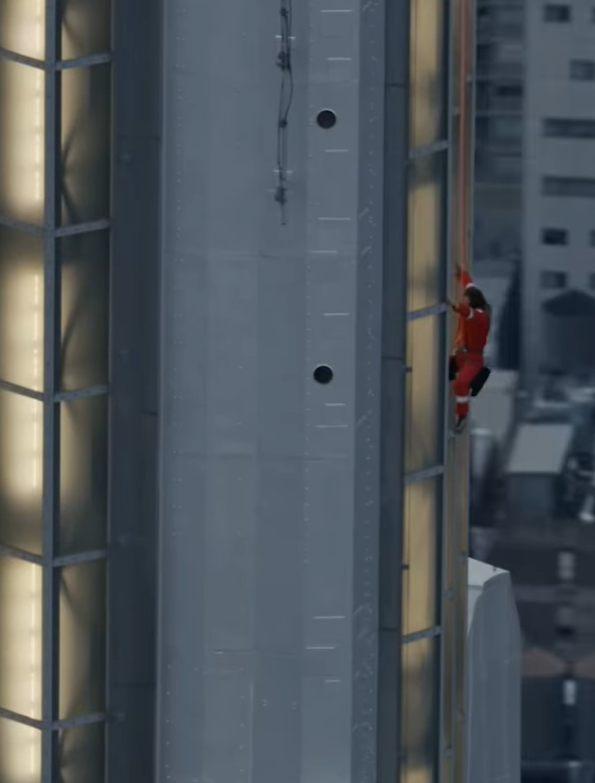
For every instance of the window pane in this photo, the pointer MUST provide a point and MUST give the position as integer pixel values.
(419, 716)
(420, 555)
(425, 387)
(22, 25)
(21, 455)
(556, 12)
(22, 150)
(83, 474)
(86, 103)
(554, 236)
(425, 225)
(85, 27)
(427, 73)
(582, 70)
(82, 754)
(447, 647)
(569, 187)
(20, 753)
(85, 310)
(21, 309)
(571, 129)
(553, 280)
(82, 639)
(20, 631)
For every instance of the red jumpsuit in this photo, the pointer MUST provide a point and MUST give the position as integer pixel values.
(472, 335)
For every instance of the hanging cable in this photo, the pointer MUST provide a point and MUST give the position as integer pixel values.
(285, 101)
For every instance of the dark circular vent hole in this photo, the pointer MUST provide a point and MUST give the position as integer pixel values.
(323, 374)
(326, 119)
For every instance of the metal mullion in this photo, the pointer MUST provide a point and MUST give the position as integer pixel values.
(424, 312)
(83, 228)
(80, 720)
(426, 633)
(429, 149)
(81, 557)
(20, 554)
(22, 59)
(21, 225)
(16, 717)
(23, 391)
(101, 390)
(88, 61)
(424, 474)
(51, 413)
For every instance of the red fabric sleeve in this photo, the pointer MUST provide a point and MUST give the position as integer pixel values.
(464, 278)
(463, 309)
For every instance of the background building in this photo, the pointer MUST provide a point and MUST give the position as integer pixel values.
(559, 188)
(499, 128)
(283, 229)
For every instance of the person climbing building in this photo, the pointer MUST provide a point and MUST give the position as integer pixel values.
(467, 370)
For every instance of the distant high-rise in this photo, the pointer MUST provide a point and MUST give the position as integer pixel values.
(559, 189)
(499, 128)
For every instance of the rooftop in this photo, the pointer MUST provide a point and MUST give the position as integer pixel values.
(540, 449)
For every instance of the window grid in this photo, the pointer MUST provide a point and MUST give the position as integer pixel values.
(49, 561)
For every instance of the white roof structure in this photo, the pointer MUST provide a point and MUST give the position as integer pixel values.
(495, 280)
(540, 449)
(493, 409)
(493, 677)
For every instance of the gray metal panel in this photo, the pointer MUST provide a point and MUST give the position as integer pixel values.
(133, 426)
(258, 654)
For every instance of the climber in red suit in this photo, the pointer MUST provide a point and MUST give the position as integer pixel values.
(466, 364)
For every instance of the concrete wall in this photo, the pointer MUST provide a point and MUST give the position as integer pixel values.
(266, 474)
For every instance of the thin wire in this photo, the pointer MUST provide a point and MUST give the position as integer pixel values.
(285, 101)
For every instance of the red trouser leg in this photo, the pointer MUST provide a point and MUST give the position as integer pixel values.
(468, 369)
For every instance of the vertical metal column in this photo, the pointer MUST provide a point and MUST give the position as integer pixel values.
(51, 448)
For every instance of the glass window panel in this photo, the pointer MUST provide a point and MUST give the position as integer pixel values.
(85, 27)
(20, 753)
(82, 639)
(425, 253)
(420, 556)
(455, 193)
(83, 474)
(447, 687)
(456, 53)
(22, 128)
(82, 754)
(22, 27)
(21, 309)
(85, 309)
(427, 76)
(20, 631)
(86, 124)
(419, 716)
(426, 384)
(21, 471)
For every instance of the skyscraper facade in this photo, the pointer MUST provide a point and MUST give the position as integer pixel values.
(233, 522)
(501, 38)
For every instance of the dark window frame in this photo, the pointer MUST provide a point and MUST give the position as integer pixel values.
(557, 237)
(568, 187)
(567, 128)
(560, 13)
(582, 70)
(552, 280)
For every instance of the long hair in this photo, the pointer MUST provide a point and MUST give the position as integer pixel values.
(477, 300)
